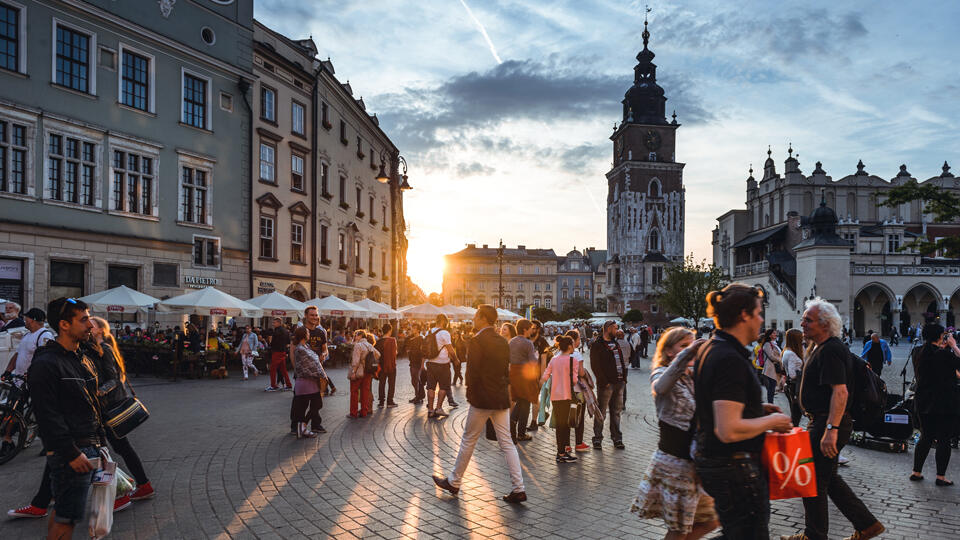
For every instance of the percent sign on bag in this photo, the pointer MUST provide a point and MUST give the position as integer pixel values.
(788, 458)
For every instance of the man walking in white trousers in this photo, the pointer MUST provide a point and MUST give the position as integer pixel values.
(488, 381)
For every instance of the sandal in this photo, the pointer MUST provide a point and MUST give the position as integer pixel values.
(916, 477)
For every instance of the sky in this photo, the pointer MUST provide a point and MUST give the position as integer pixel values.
(503, 109)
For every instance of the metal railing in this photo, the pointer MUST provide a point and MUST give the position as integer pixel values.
(751, 269)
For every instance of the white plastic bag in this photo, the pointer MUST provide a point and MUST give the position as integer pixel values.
(102, 497)
(125, 484)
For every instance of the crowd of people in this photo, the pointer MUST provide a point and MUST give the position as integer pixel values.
(708, 395)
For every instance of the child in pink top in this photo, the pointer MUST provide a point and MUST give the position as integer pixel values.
(561, 394)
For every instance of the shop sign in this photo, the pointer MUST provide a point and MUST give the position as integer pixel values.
(218, 311)
(115, 309)
(199, 282)
(265, 287)
(278, 313)
(336, 313)
(10, 269)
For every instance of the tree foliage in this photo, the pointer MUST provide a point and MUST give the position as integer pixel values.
(633, 316)
(543, 314)
(576, 308)
(943, 205)
(685, 285)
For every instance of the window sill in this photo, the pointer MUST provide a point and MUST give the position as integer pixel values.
(374, 222)
(361, 155)
(136, 110)
(165, 285)
(267, 182)
(143, 217)
(385, 229)
(268, 259)
(360, 215)
(18, 196)
(195, 225)
(74, 92)
(268, 121)
(196, 266)
(298, 263)
(77, 206)
(298, 191)
(344, 142)
(200, 129)
(16, 74)
(344, 206)
(327, 196)
(299, 135)
(326, 125)
(325, 262)
(342, 268)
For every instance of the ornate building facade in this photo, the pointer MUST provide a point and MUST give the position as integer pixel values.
(645, 194)
(472, 276)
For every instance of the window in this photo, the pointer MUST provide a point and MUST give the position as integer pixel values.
(359, 147)
(359, 197)
(268, 104)
(370, 259)
(324, 259)
(297, 118)
(343, 132)
(576, 283)
(266, 238)
(343, 191)
(656, 275)
(520, 286)
(127, 276)
(342, 250)
(893, 243)
(536, 302)
(296, 172)
(71, 170)
(383, 213)
(536, 286)
(576, 293)
(325, 114)
(164, 275)
(654, 308)
(325, 180)
(206, 251)
(371, 210)
(193, 195)
(654, 240)
(548, 302)
(195, 101)
(268, 162)
(13, 153)
(383, 263)
(72, 59)
(356, 257)
(296, 243)
(548, 286)
(135, 81)
(10, 39)
(133, 183)
(66, 279)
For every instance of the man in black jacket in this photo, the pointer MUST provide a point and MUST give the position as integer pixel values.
(608, 361)
(63, 385)
(488, 382)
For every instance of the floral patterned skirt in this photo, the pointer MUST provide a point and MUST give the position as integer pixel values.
(670, 489)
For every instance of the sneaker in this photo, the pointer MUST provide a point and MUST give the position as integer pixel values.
(454, 404)
(515, 497)
(380, 405)
(842, 460)
(619, 445)
(414, 401)
(443, 483)
(29, 511)
(285, 388)
(870, 532)
(440, 413)
(570, 457)
(391, 405)
(524, 437)
(598, 446)
(582, 447)
(567, 449)
(431, 414)
(271, 389)
(319, 429)
(122, 503)
(245, 378)
(307, 434)
(143, 491)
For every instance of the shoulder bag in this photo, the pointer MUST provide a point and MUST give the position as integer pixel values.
(575, 405)
(126, 415)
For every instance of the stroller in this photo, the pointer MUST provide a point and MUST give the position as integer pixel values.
(895, 430)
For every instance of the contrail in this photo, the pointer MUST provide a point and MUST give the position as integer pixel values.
(493, 50)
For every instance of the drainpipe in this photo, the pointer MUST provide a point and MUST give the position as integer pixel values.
(313, 185)
(243, 86)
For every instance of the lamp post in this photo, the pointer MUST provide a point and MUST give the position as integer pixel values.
(500, 274)
(397, 187)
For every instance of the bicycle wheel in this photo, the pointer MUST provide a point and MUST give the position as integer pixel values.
(11, 422)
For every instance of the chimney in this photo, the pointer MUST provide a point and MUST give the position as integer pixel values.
(484, 246)
(472, 246)
(521, 248)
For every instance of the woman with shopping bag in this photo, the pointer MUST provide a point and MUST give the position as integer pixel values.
(670, 488)
(565, 409)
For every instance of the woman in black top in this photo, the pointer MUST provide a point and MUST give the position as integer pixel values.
(937, 402)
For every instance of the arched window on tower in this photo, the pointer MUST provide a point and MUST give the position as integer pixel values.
(654, 240)
(654, 189)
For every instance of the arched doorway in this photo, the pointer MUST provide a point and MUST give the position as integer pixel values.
(297, 292)
(953, 308)
(872, 310)
(921, 303)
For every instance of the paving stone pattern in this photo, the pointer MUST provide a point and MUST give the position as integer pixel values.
(224, 465)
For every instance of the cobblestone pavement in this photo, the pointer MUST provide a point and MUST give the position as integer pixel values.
(224, 465)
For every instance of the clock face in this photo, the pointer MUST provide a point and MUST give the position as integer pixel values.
(651, 140)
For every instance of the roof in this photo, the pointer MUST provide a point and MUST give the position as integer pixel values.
(761, 236)
(518, 252)
(655, 257)
(597, 257)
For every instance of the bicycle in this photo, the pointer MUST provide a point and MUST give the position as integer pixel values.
(16, 418)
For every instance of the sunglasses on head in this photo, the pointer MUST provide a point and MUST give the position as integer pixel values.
(63, 307)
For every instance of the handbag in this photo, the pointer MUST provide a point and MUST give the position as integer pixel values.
(574, 415)
(101, 499)
(788, 458)
(126, 415)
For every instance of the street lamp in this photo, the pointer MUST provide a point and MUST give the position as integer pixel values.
(396, 189)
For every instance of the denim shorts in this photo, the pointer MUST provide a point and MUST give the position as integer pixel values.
(70, 489)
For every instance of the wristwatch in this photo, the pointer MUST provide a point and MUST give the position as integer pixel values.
(831, 426)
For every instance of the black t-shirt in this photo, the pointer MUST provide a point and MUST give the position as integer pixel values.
(317, 339)
(875, 354)
(725, 373)
(279, 340)
(829, 364)
(937, 391)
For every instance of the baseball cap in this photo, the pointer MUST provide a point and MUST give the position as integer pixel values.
(606, 324)
(36, 314)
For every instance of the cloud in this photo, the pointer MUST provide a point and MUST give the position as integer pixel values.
(474, 169)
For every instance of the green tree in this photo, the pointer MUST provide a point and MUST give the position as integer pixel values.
(543, 314)
(684, 288)
(633, 316)
(943, 205)
(576, 308)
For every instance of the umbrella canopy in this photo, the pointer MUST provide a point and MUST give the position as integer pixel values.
(211, 301)
(380, 311)
(335, 307)
(459, 313)
(505, 315)
(681, 320)
(423, 311)
(119, 300)
(278, 305)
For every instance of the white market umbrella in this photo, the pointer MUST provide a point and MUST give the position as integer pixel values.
(211, 301)
(682, 320)
(119, 300)
(278, 305)
(333, 306)
(423, 311)
(379, 311)
(506, 315)
(459, 313)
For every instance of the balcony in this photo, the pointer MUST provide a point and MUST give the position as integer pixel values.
(751, 269)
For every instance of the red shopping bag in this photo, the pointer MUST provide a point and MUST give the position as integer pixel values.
(788, 459)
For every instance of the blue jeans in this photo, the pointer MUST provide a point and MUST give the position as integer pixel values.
(70, 488)
(740, 493)
(610, 400)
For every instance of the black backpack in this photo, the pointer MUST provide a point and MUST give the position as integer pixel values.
(428, 347)
(869, 398)
(371, 366)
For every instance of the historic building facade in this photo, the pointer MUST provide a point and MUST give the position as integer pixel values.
(802, 236)
(124, 144)
(472, 276)
(574, 279)
(645, 194)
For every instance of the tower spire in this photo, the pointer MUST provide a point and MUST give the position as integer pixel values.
(646, 33)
